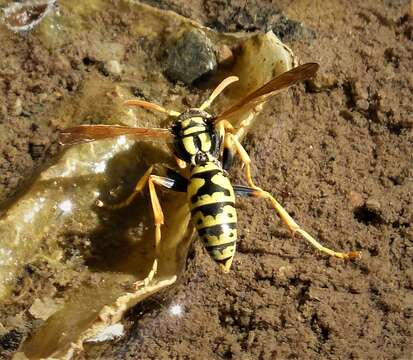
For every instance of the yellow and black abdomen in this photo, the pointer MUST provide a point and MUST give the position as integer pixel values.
(212, 200)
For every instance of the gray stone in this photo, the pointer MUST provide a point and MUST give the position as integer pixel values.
(191, 57)
(289, 30)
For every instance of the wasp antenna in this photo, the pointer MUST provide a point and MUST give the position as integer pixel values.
(218, 90)
(151, 106)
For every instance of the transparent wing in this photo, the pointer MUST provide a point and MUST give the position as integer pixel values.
(271, 88)
(87, 133)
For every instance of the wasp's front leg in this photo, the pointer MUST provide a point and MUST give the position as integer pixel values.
(232, 143)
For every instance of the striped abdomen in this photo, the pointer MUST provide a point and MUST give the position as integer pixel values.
(212, 200)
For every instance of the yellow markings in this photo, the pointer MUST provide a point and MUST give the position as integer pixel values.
(203, 168)
(227, 266)
(224, 238)
(193, 129)
(207, 199)
(197, 119)
(227, 252)
(226, 215)
(221, 180)
(193, 187)
(211, 199)
(205, 142)
(189, 145)
(204, 199)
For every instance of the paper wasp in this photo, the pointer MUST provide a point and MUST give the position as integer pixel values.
(205, 144)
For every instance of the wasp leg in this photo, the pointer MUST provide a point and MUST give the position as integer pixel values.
(231, 141)
(218, 90)
(291, 224)
(145, 282)
(175, 182)
(172, 181)
(138, 188)
(225, 129)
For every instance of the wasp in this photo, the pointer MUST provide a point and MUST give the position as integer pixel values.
(205, 144)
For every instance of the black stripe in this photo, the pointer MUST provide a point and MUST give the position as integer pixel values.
(242, 190)
(209, 187)
(219, 247)
(211, 209)
(180, 183)
(197, 142)
(227, 158)
(216, 230)
(193, 123)
(191, 113)
(223, 261)
(196, 133)
(208, 174)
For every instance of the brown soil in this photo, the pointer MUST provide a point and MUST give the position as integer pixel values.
(340, 161)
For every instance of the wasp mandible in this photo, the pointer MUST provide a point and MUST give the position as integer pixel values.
(205, 144)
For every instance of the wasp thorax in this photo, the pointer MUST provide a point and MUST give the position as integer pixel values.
(196, 139)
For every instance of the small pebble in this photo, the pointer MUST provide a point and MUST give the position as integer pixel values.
(346, 114)
(373, 205)
(113, 68)
(18, 107)
(362, 104)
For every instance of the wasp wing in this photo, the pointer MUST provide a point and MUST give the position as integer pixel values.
(87, 133)
(271, 88)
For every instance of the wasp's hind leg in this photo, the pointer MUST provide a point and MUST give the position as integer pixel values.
(172, 181)
(289, 221)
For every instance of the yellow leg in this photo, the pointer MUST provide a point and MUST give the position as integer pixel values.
(231, 139)
(138, 188)
(157, 211)
(218, 90)
(156, 206)
(145, 282)
(176, 183)
(291, 224)
(226, 126)
(159, 221)
(245, 158)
